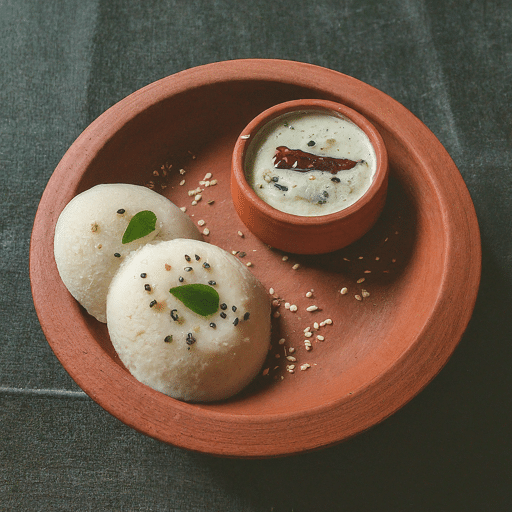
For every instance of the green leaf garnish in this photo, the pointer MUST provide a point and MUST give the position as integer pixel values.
(142, 224)
(200, 298)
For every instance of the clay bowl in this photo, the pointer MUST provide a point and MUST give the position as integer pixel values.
(301, 234)
(377, 354)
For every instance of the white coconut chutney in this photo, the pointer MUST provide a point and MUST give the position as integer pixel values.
(331, 163)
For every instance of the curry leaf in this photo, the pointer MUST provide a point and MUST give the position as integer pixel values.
(142, 224)
(200, 298)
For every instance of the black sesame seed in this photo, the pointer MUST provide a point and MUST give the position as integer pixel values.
(281, 187)
(152, 303)
(147, 287)
(187, 257)
(197, 257)
(311, 143)
(117, 255)
(212, 283)
(241, 254)
(335, 180)
(206, 265)
(143, 275)
(212, 325)
(121, 211)
(190, 339)
(247, 315)
(223, 306)
(180, 279)
(233, 308)
(188, 269)
(223, 315)
(174, 314)
(235, 321)
(168, 339)
(275, 178)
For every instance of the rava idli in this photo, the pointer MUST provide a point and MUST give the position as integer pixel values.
(188, 319)
(102, 226)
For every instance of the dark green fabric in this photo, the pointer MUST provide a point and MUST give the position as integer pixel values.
(62, 63)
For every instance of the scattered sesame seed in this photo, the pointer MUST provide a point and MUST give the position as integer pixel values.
(316, 326)
(152, 303)
(244, 136)
(296, 266)
(328, 321)
(293, 308)
(147, 287)
(117, 255)
(188, 269)
(168, 339)
(235, 321)
(307, 329)
(281, 341)
(201, 222)
(121, 211)
(183, 209)
(223, 315)
(271, 291)
(207, 176)
(212, 283)
(320, 338)
(206, 231)
(182, 182)
(187, 257)
(181, 279)
(287, 305)
(197, 197)
(143, 275)
(211, 201)
(358, 297)
(213, 182)
(194, 202)
(239, 233)
(190, 339)
(305, 366)
(308, 334)
(365, 293)
(308, 294)
(223, 306)
(312, 178)
(276, 303)
(291, 350)
(291, 358)
(212, 325)
(247, 315)
(322, 324)
(311, 308)
(249, 264)
(206, 265)
(182, 171)
(361, 280)
(360, 258)
(174, 314)
(343, 291)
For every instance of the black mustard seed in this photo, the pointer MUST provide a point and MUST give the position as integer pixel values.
(147, 287)
(212, 283)
(223, 306)
(143, 275)
(223, 315)
(117, 255)
(187, 257)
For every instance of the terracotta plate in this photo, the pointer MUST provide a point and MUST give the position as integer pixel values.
(420, 262)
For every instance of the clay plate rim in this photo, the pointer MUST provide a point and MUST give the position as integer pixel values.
(205, 430)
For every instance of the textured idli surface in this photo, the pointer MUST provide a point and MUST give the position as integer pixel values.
(88, 237)
(170, 347)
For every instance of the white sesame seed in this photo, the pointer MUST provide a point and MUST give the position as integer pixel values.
(268, 179)
(207, 176)
(307, 343)
(182, 171)
(244, 136)
(285, 258)
(293, 308)
(287, 305)
(191, 193)
(320, 338)
(182, 182)
(201, 182)
(322, 324)
(365, 293)
(206, 231)
(248, 264)
(183, 209)
(271, 291)
(291, 358)
(277, 314)
(328, 321)
(315, 325)
(343, 291)
(239, 233)
(312, 178)
(296, 266)
(201, 222)
(311, 308)
(307, 329)
(290, 370)
(358, 297)
(276, 303)
(305, 366)
(291, 350)
(206, 184)
(281, 341)
(308, 294)
(194, 202)
(213, 182)
(197, 197)
(361, 280)
(308, 334)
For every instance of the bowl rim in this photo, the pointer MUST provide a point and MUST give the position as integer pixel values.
(307, 104)
(249, 438)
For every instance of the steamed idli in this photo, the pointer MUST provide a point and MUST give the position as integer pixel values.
(188, 319)
(99, 228)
